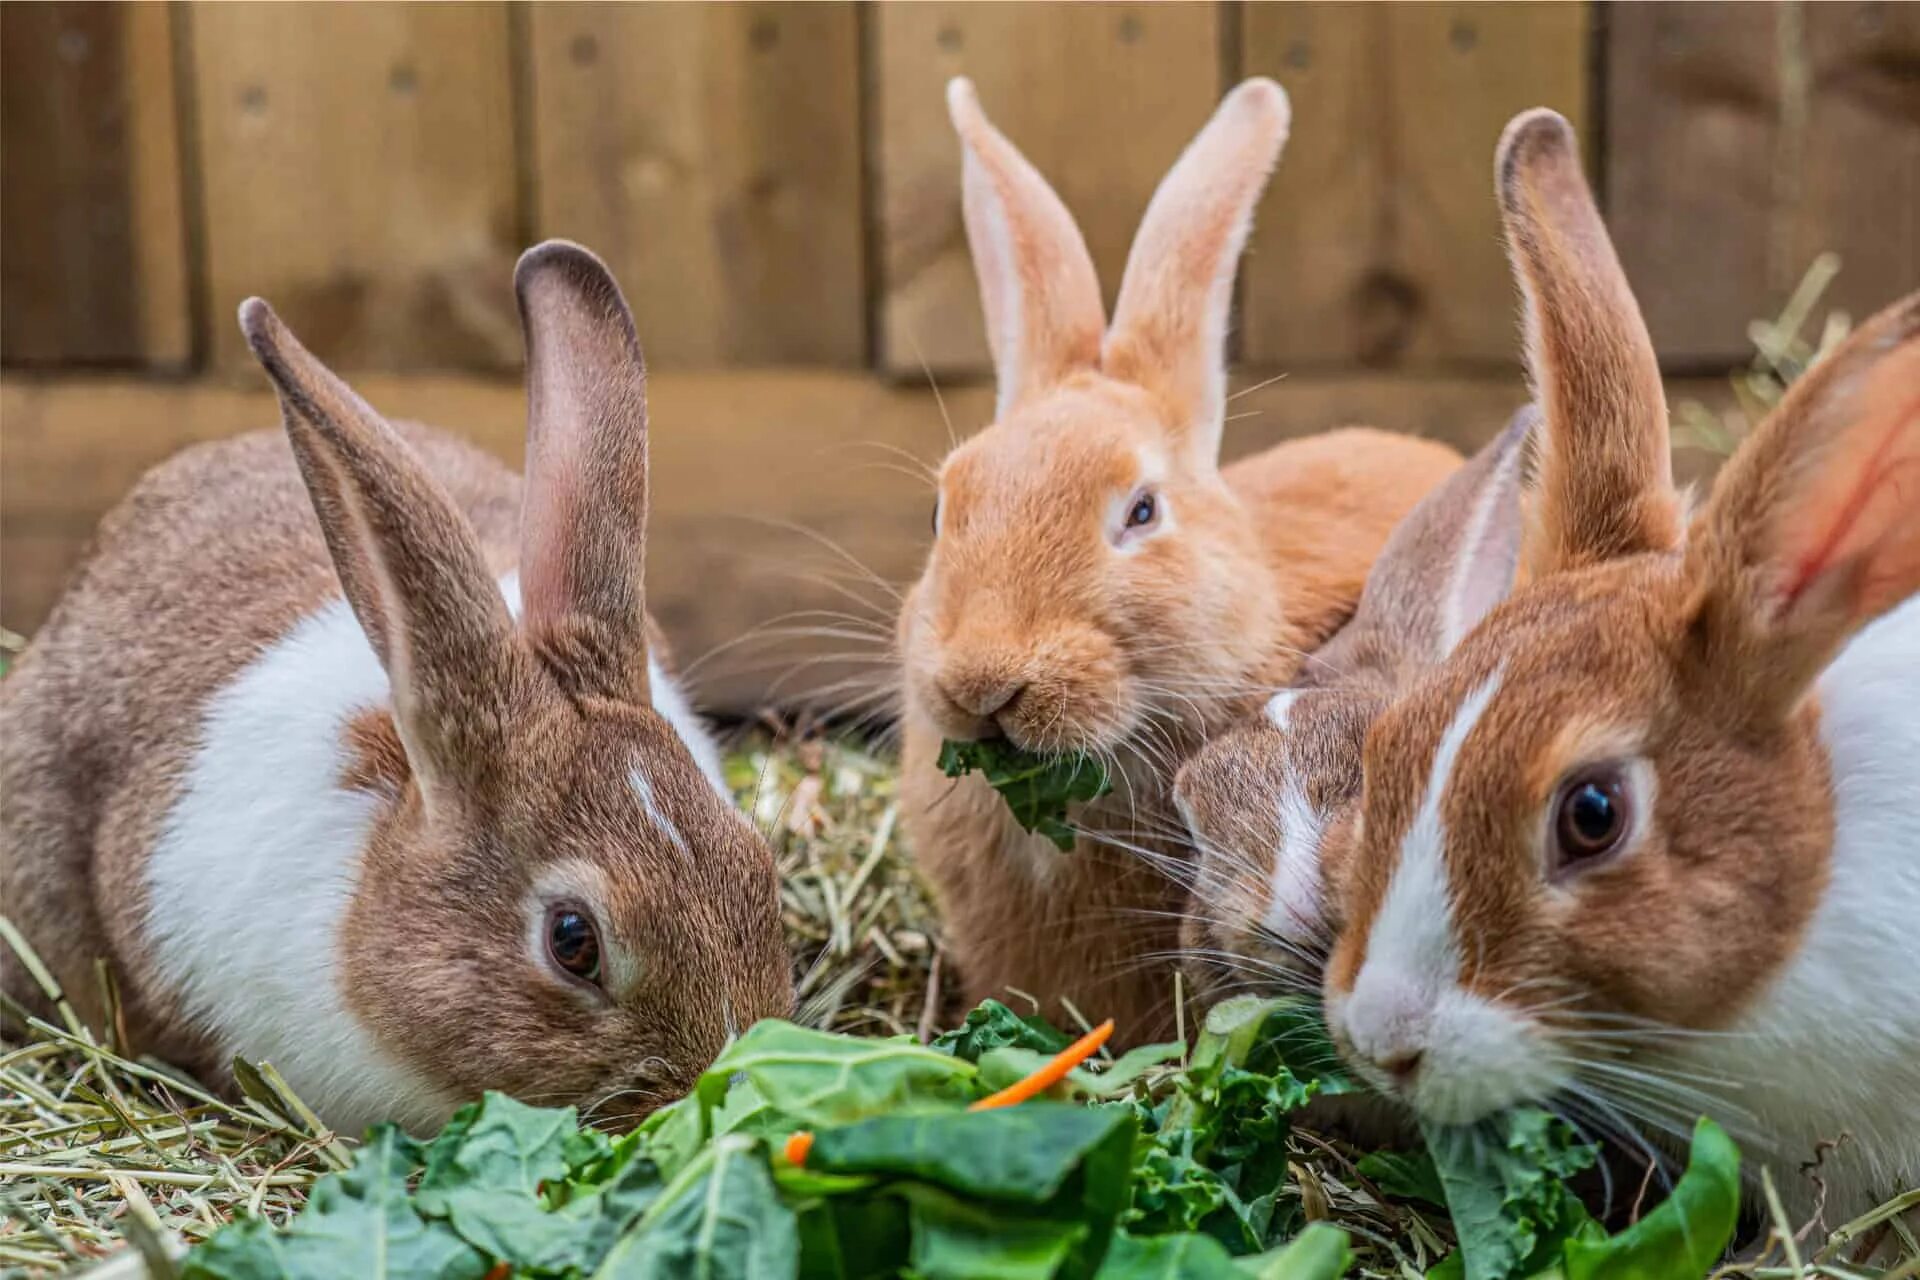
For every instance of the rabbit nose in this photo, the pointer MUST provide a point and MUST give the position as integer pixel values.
(982, 699)
(1401, 1065)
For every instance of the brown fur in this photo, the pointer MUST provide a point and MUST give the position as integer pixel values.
(504, 751)
(1447, 562)
(1694, 654)
(1028, 622)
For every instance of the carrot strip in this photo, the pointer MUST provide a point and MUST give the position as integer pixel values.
(1051, 1074)
(800, 1142)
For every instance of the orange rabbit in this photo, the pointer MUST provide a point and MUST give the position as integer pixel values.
(1098, 583)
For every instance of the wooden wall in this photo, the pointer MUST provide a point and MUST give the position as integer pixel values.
(776, 186)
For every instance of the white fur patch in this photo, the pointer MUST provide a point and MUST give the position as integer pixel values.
(1280, 708)
(256, 862)
(1845, 996)
(1294, 906)
(255, 866)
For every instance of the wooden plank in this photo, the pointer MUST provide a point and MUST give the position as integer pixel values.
(755, 473)
(1100, 97)
(1744, 140)
(711, 153)
(1858, 65)
(93, 266)
(1380, 241)
(358, 166)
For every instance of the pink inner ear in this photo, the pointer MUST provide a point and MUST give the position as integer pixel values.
(1860, 511)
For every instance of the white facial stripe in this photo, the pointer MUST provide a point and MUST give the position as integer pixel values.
(1413, 956)
(1280, 706)
(643, 788)
(1294, 899)
(573, 880)
(1414, 930)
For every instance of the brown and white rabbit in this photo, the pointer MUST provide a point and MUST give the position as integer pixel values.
(1097, 582)
(1272, 802)
(1649, 841)
(399, 799)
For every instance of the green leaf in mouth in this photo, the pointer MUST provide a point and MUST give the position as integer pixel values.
(1037, 788)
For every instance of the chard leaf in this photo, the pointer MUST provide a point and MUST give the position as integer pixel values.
(1504, 1187)
(994, 1026)
(1320, 1252)
(958, 1239)
(815, 1079)
(357, 1223)
(721, 1218)
(1686, 1234)
(1173, 1257)
(1037, 788)
(1022, 1154)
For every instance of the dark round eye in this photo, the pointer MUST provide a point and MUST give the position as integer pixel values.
(574, 943)
(1590, 818)
(1143, 511)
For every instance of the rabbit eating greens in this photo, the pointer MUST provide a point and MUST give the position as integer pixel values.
(1099, 585)
(400, 799)
(1647, 842)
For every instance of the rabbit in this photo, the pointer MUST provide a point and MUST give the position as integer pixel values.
(401, 799)
(1647, 843)
(1271, 802)
(1097, 582)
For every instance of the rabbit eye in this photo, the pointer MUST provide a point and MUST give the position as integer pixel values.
(574, 943)
(1144, 511)
(1590, 816)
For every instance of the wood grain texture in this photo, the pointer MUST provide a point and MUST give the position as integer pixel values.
(358, 166)
(756, 476)
(93, 266)
(1744, 140)
(1101, 97)
(1379, 243)
(712, 155)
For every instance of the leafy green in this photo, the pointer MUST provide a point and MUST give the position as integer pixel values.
(1685, 1234)
(359, 1222)
(1037, 788)
(1504, 1186)
(1149, 1169)
(994, 1026)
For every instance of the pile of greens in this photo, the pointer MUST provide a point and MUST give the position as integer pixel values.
(1037, 788)
(1162, 1164)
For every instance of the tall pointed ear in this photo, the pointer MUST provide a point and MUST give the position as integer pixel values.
(408, 560)
(1037, 283)
(1170, 325)
(583, 528)
(1813, 528)
(1449, 561)
(1605, 485)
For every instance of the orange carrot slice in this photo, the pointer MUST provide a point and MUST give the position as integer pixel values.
(798, 1144)
(1051, 1074)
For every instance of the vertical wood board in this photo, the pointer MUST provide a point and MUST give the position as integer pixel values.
(712, 155)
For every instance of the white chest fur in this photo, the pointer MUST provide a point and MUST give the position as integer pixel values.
(250, 879)
(1834, 1044)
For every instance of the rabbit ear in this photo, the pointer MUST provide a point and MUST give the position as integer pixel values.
(1606, 482)
(584, 523)
(409, 561)
(1170, 324)
(1813, 528)
(1445, 565)
(1037, 283)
